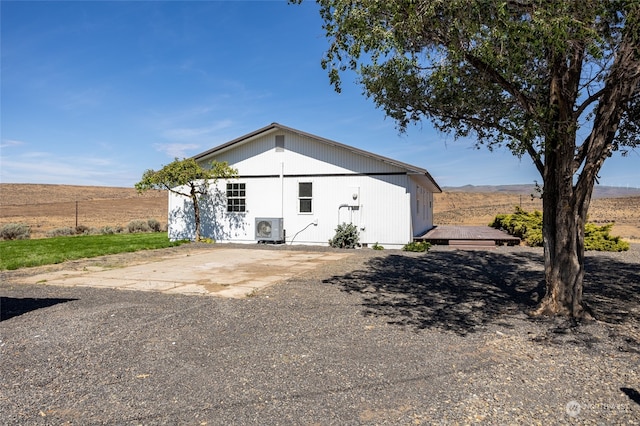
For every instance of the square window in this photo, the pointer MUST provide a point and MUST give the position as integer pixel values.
(236, 201)
(305, 194)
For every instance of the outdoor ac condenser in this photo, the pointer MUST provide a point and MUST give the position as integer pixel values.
(269, 229)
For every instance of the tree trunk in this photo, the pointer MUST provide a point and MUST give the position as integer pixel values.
(564, 214)
(196, 210)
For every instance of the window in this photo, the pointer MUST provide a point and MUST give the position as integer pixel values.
(279, 143)
(305, 194)
(236, 197)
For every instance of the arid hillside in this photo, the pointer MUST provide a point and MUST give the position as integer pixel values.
(47, 207)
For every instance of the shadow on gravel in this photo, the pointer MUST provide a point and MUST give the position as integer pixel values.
(633, 394)
(461, 291)
(12, 307)
(612, 289)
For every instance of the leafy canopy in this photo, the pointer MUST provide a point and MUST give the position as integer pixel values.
(486, 66)
(184, 172)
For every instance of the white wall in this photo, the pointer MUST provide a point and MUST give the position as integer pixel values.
(383, 210)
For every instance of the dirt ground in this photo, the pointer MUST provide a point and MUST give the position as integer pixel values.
(374, 338)
(47, 207)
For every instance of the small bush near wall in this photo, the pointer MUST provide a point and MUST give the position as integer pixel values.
(347, 236)
(15, 231)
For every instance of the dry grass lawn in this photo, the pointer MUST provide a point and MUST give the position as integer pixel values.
(47, 207)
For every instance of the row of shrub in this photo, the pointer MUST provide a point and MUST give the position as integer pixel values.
(528, 227)
(21, 231)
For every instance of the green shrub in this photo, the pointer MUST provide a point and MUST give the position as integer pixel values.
(377, 246)
(61, 232)
(138, 225)
(528, 227)
(15, 231)
(598, 238)
(417, 246)
(154, 225)
(347, 236)
(524, 225)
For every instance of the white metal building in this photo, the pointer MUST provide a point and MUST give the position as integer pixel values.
(295, 187)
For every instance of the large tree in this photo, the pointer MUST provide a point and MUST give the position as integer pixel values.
(187, 178)
(555, 80)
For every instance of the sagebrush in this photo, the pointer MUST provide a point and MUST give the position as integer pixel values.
(15, 231)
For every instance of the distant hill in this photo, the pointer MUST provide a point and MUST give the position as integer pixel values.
(599, 191)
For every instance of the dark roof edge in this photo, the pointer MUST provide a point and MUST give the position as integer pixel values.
(272, 126)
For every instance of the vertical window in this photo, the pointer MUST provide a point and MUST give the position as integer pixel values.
(305, 197)
(279, 143)
(236, 197)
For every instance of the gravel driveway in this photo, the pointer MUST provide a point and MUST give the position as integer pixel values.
(375, 338)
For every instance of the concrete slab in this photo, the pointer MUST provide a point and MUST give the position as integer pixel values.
(223, 272)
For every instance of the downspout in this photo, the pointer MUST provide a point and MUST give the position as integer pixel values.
(282, 189)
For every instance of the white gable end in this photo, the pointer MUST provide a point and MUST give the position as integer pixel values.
(312, 185)
(300, 155)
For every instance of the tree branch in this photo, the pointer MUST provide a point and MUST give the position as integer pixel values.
(490, 72)
(583, 106)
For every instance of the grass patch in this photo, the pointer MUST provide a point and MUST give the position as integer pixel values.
(24, 253)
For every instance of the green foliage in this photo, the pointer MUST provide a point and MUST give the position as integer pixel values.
(524, 225)
(480, 66)
(347, 236)
(377, 246)
(184, 172)
(528, 227)
(188, 178)
(15, 231)
(417, 246)
(26, 253)
(598, 238)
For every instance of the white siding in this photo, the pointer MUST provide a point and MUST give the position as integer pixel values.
(384, 211)
(421, 207)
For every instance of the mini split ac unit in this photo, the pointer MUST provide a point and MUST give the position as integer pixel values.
(269, 229)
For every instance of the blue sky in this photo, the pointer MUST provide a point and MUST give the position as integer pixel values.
(95, 93)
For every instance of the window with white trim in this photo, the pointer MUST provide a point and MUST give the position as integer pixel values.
(236, 197)
(305, 197)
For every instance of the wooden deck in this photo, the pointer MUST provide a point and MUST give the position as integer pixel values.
(468, 236)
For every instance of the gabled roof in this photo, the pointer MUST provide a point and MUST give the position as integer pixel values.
(276, 126)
